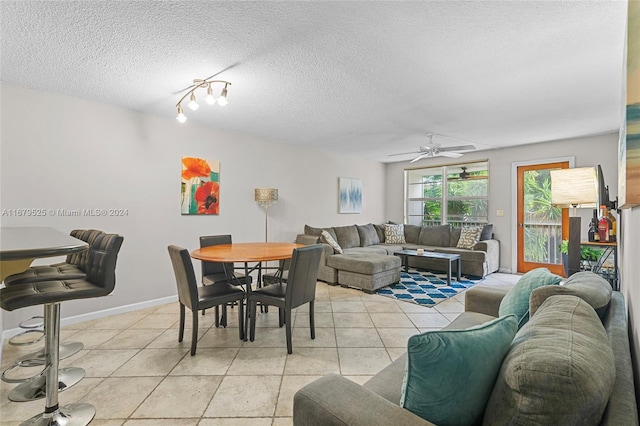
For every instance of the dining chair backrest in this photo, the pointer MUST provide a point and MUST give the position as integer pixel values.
(303, 275)
(210, 268)
(101, 261)
(185, 277)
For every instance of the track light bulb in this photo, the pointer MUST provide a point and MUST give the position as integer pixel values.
(193, 105)
(210, 99)
(222, 99)
(181, 117)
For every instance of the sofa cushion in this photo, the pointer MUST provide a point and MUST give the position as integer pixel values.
(590, 287)
(454, 237)
(559, 371)
(469, 237)
(364, 263)
(309, 230)
(394, 234)
(347, 236)
(411, 233)
(516, 301)
(435, 236)
(380, 232)
(450, 373)
(327, 238)
(368, 235)
(487, 232)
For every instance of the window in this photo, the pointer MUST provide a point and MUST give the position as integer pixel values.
(456, 194)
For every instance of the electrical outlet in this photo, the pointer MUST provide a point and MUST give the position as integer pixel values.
(499, 213)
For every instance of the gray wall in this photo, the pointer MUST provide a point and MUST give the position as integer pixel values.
(66, 153)
(586, 151)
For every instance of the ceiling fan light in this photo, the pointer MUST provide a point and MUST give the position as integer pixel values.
(222, 99)
(181, 117)
(193, 105)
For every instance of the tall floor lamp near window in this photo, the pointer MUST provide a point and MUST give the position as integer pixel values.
(576, 188)
(265, 197)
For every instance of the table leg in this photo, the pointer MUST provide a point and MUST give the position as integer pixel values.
(459, 267)
(449, 272)
(246, 311)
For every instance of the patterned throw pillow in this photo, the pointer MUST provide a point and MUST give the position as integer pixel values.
(329, 240)
(469, 237)
(394, 234)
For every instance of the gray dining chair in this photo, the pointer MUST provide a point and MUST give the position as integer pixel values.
(299, 289)
(196, 298)
(219, 272)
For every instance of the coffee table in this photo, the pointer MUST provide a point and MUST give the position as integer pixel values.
(406, 254)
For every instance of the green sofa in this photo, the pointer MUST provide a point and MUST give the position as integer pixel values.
(532, 386)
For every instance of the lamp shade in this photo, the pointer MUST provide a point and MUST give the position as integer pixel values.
(266, 196)
(576, 187)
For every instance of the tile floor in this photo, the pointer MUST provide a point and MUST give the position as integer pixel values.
(138, 374)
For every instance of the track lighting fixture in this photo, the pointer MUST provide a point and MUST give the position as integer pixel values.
(209, 99)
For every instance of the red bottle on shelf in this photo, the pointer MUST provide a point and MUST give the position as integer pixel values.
(603, 226)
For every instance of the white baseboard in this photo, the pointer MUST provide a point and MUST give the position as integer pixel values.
(7, 334)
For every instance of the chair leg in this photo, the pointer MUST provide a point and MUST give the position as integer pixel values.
(287, 323)
(312, 322)
(194, 332)
(280, 317)
(217, 314)
(241, 319)
(181, 331)
(252, 320)
(223, 319)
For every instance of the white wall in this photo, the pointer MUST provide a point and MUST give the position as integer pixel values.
(587, 151)
(59, 152)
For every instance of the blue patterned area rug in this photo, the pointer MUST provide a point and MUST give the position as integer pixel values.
(426, 288)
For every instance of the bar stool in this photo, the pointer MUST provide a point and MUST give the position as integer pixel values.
(100, 281)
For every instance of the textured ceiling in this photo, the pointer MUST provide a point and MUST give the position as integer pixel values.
(360, 78)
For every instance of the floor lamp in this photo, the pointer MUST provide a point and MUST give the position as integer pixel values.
(576, 188)
(265, 197)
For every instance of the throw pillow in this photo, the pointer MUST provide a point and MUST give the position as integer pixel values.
(394, 234)
(329, 240)
(469, 237)
(450, 373)
(487, 232)
(560, 369)
(380, 231)
(368, 235)
(347, 236)
(411, 233)
(516, 301)
(590, 287)
(454, 237)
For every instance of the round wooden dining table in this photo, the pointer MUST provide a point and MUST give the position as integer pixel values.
(245, 253)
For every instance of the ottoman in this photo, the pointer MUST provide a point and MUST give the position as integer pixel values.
(365, 271)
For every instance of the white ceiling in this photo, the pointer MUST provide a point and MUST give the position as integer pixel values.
(359, 78)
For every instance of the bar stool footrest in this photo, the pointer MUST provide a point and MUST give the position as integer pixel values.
(36, 389)
(14, 341)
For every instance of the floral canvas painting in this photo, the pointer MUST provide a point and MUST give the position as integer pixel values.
(200, 186)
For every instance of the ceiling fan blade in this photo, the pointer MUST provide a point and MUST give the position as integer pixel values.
(420, 157)
(405, 153)
(449, 154)
(458, 148)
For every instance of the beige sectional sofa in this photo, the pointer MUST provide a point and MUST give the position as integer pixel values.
(367, 261)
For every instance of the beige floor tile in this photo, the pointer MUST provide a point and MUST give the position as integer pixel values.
(381, 304)
(182, 396)
(131, 339)
(168, 308)
(206, 362)
(102, 422)
(161, 321)
(355, 361)
(395, 353)
(290, 385)
(168, 339)
(93, 338)
(413, 308)
(272, 337)
(116, 322)
(151, 362)
(352, 320)
(322, 319)
(361, 379)
(348, 306)
(314, 361)
(449, 306)
(396, 337)
(100, 363)
(390, 320)
(258, 361)
(241, 421)
(282, 421)
(161, 422)
(325, 338)
(358, 338)
(245, 396)
(430, 320)
(450, 317)
(268, 319)
(118, 397)
(219, 338)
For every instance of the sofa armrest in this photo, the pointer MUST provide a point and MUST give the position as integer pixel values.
(484, 300)
(307, 240)
(492, 248)
(333, 400)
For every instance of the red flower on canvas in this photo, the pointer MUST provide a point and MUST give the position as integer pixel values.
(207, 198)
(195, 167)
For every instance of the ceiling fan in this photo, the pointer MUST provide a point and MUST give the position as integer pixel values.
(434, 149)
